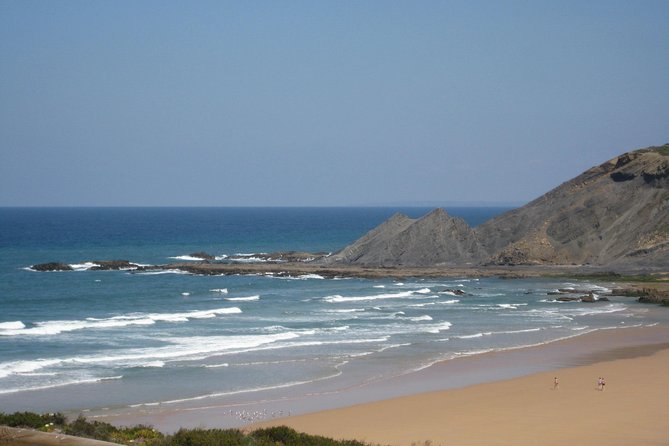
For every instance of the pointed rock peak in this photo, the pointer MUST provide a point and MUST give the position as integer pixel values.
(438, 213)
(398, 216)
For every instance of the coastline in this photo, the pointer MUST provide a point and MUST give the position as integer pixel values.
(526, 410)
(455, 375)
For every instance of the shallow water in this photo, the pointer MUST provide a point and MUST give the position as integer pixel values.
(85, 340)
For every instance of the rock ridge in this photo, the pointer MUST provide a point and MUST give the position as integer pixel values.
(614, 214)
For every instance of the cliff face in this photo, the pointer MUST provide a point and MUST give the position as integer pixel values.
(435, 239)
(615, 214)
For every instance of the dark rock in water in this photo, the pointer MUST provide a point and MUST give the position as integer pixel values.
(653, 296)
(567, 299)
(202, 255)
(455, 291)
(562, 291)
(588, 298)
(282, 256)
(603, 299)
(112, 265)
(52, 266)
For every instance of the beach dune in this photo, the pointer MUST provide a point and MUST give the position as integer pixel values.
(632, 410)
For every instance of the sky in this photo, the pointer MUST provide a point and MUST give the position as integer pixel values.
(322, 103)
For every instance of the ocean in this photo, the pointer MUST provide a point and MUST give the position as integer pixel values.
(84, 340)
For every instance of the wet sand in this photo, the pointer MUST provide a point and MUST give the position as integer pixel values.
(522, 411)
(472, 382)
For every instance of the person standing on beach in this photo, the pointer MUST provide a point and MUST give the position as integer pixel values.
(599, 383)
(603, 384)
(556, 383)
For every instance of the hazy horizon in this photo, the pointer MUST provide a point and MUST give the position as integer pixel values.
(310, 104)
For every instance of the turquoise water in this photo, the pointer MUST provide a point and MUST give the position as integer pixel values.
(87, 339)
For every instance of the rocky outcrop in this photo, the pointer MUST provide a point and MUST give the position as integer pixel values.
(52, 266)
(112, 265)
(202, 255)
(615, 215)
(593, 219)
(436, 239)
(280, 256)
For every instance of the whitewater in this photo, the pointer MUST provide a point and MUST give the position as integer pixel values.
(88, 340)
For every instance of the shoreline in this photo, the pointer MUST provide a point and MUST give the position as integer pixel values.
(526, 410)
(296, 268)
(455, 374)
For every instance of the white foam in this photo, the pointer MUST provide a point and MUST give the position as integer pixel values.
(310, 276)
(472, 336)
(55, 327)
(338, 298)
(346, 310)
(421, 318)
(243, 299)
(220, 290)
(379, 286)
(164, 271)
(156, 364)
(437, 328)
(188, 258)
(243, 259)
(191, 348)
(185, 294)
(83, 266)
(16, 325)
(63, 383)
(216, 366)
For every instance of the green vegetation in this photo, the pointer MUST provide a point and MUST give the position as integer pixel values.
(615, 277)
(145, 435)
(662, 150)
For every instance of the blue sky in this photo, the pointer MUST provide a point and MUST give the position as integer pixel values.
(307, 103)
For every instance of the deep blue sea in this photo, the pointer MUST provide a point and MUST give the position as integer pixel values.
(87, 340)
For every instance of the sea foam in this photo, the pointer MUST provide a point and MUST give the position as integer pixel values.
(46, 328)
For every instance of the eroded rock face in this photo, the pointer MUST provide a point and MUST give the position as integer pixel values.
(433, 240)
(613, 214)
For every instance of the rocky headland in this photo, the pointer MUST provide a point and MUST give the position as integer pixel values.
(615, 216)
(613, 219)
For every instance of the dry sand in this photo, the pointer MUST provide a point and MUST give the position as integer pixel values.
(632, 410)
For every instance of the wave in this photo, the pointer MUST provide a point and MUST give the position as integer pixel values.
(220, 290)
(243, 299)
(16, 325)
(62, 384)
(346, 310)
(178, 349)
(163, 271)
(48, 328)
(421, 318)
(438, 328)
(310, 276)
(402, 294)
(188, 258)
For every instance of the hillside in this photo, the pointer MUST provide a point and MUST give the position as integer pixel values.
(615, 214)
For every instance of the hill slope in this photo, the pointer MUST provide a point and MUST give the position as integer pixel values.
(615, 214)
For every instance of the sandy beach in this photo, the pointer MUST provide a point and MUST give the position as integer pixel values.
(521, 411)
